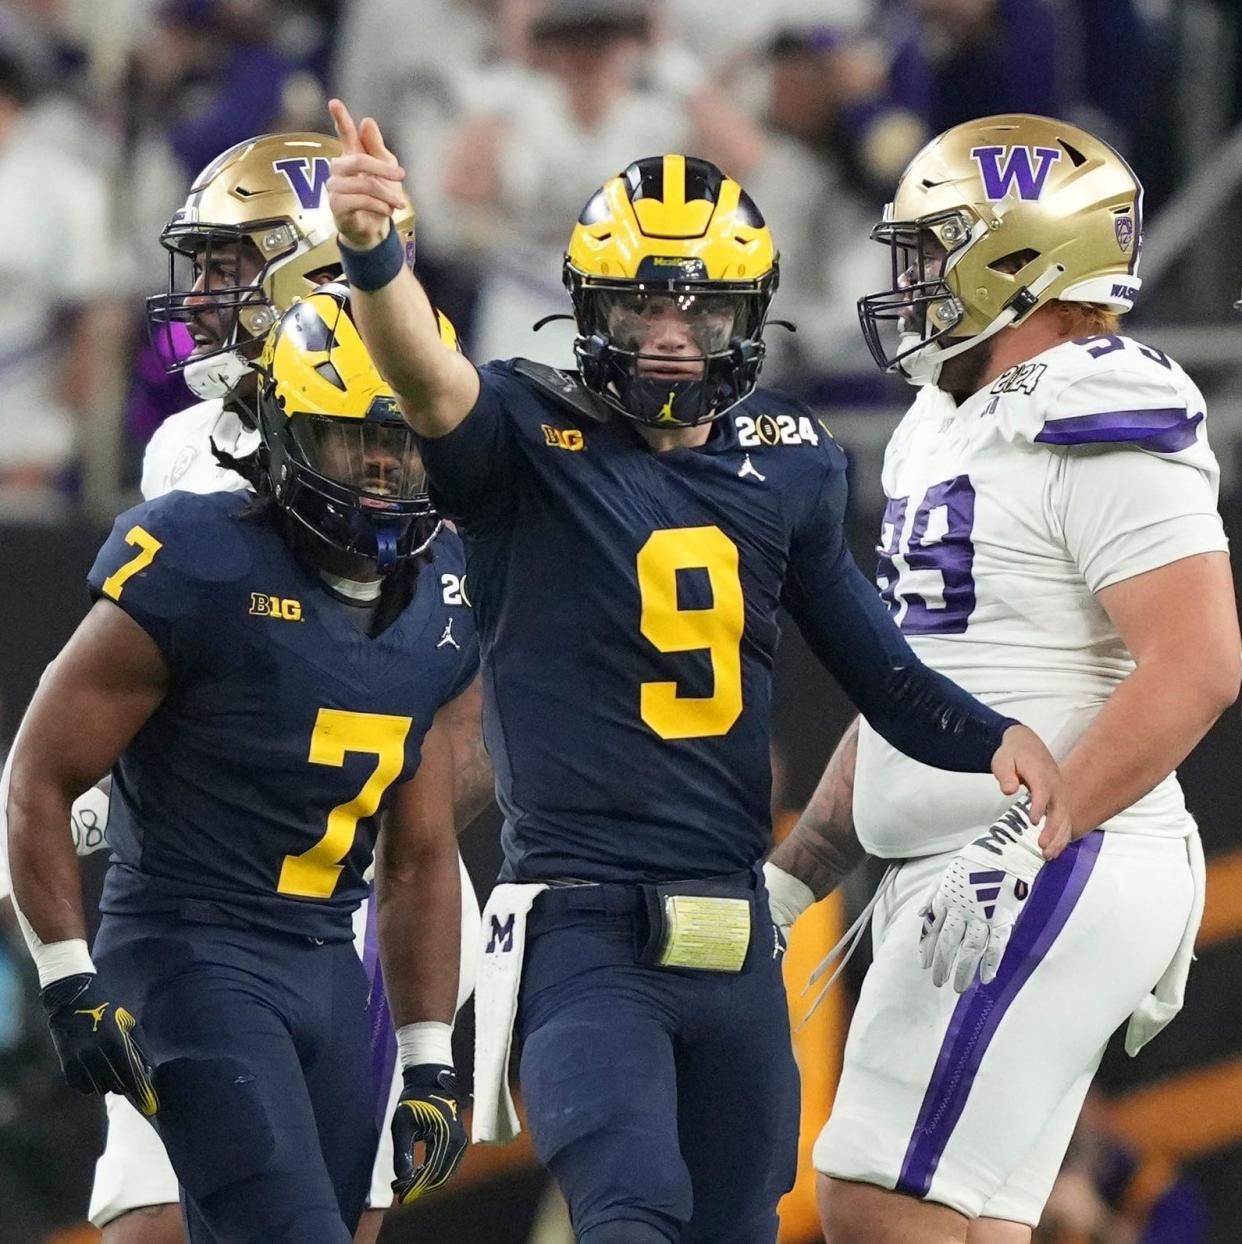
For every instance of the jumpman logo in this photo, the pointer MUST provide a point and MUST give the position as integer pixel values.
(96, 1013)
(748, 468)
(447, 637)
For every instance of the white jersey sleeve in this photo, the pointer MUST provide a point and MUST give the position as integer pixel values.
(179, 455)
(1123, 513)
(1137, 484)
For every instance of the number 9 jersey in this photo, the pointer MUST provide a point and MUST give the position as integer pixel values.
(627, 609)
(254, 790)
(1005, 515)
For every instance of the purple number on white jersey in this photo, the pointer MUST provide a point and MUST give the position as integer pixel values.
(938, 540)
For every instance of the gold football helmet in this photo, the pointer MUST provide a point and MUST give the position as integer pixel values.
(254, 234)
(995, 218)
(670, 233)
(341, 461)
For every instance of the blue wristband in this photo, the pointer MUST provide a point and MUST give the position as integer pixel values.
(373, 269)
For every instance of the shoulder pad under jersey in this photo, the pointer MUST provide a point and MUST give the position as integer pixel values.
(563, 387)
(1104, 390)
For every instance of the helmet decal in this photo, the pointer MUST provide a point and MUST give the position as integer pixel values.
(309, 189)
(1025, 169)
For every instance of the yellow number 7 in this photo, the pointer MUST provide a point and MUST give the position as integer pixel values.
(718, 629)
(147, 546)
(315, 872)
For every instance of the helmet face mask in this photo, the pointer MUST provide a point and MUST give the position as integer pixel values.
(341, 461)
(992, 220)
(671, 271)
(215, 295)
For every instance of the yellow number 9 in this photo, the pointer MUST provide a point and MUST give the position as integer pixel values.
(718, 629)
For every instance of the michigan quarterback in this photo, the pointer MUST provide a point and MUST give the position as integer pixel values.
(254, 234)
(1051, 541)
(267, 677)
(632, 528)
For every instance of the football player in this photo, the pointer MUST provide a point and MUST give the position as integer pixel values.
(632, 528)
(254, 234)
(1051, 541)
(267, 677)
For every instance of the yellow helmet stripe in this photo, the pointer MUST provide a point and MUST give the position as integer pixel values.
(674, 182)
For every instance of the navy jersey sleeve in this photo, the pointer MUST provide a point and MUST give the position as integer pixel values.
(160, 562)
(473, 469)
(848, 627)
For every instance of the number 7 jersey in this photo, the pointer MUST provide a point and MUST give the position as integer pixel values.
(254, 790)
(1005, 515)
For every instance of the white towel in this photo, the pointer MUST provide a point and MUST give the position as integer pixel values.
(1164, 1002)
(501, 949)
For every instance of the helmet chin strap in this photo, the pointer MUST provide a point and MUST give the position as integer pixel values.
(216, 376)
(923, 367)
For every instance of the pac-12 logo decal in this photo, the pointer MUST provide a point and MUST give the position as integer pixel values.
(1024, 169)
(307, 177)
(1123, 226)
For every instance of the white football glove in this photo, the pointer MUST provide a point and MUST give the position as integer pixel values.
(971, 913)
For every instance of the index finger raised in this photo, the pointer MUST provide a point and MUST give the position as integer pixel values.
(346, 130)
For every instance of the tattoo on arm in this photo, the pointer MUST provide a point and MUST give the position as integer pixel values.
(822, 849)
(475, 783)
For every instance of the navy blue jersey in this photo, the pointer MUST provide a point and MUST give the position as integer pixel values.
(627, 610)
(255, 786)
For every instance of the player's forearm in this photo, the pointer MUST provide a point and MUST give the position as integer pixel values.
(419, 916)
(1148, 726)
(47, 886)
(436, 386)
(822, 848)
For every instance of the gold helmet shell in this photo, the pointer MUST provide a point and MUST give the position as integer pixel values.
(340, 458)
(995, 218)
(671, 226)
(266, 196)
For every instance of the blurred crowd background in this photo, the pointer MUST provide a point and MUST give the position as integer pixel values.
(508, 113)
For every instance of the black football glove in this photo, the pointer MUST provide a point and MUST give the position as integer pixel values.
(429, 1111)
(95, 1041)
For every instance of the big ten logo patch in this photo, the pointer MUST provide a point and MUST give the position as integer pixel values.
(453, 589)
(279, 607)
(563, 438)
(753, 431)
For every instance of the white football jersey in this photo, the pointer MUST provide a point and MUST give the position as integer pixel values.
(178, 455)
(1005, 515)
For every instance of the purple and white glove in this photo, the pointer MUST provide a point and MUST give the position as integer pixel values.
(971, 913)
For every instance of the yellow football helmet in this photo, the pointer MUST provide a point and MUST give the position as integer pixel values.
(670, 232)
(340, 459)
(254, 234)
(995, 218)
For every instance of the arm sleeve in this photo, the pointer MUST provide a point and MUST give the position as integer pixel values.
(473, 468)
(1124, 512)
(847, 626)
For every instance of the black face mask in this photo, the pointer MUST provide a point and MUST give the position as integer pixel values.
(644, 368)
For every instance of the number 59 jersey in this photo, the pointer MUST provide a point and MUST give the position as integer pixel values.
(1005, 515)
(254, 790)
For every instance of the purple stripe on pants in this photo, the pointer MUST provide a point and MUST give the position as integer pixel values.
(379, 1019)
(980, 1009)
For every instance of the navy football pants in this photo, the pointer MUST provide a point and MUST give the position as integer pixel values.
(263, 1071)
(659, 1097)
